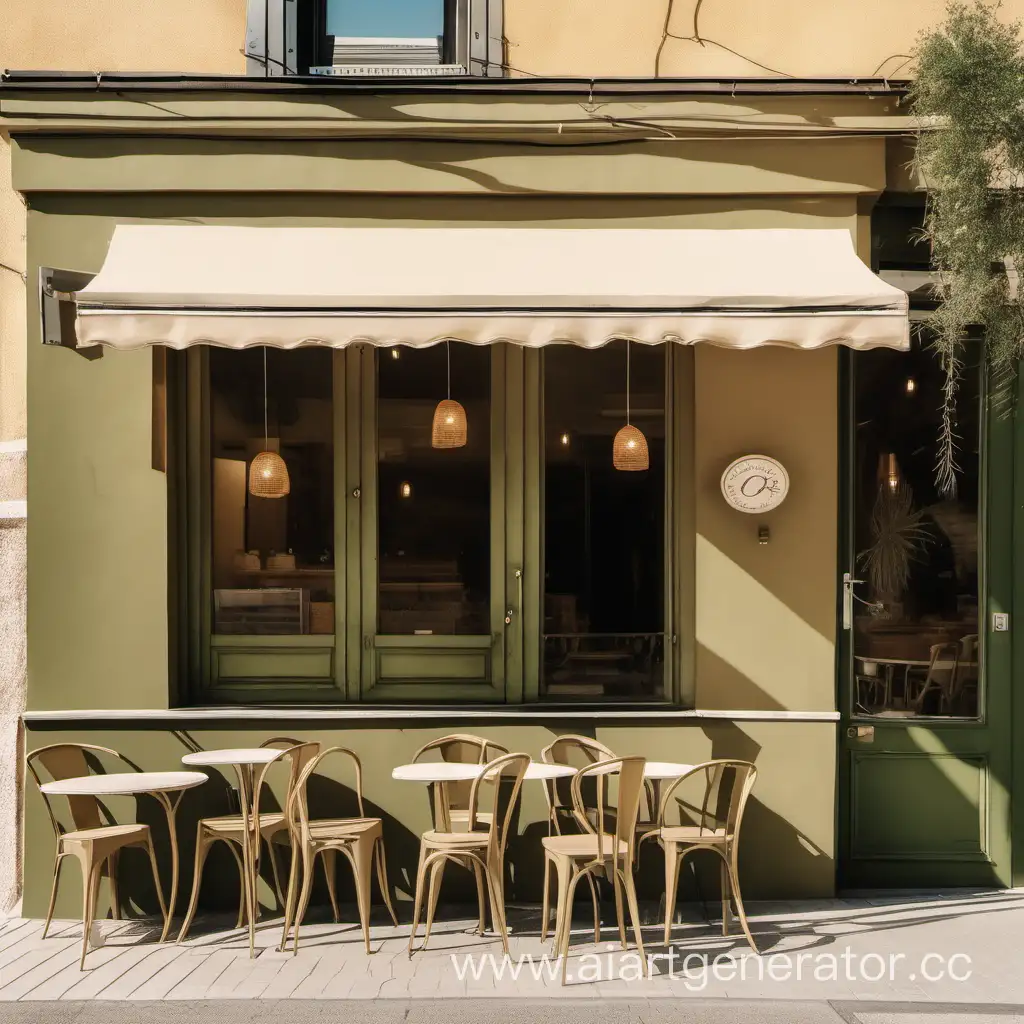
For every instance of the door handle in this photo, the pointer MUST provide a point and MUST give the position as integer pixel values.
(509, 612)
(848, 584)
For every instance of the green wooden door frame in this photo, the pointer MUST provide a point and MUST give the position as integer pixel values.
(961, 769)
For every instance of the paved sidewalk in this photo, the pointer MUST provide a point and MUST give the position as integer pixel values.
(954, 953)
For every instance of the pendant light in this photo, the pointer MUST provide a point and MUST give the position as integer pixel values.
(629, 449)
(450, 429)
(268, 474)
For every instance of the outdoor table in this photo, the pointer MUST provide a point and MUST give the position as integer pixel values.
(167, 788)
(459, 771)
(244, 760)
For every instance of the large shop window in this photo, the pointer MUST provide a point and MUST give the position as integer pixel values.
(604, 528)
(916, 626)
(272, 557)
(505, 559)
(433, 504)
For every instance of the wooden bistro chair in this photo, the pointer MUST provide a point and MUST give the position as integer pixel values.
(451, 799)
(481, 848)
(267, 827)
(94, 844)
(943, 669)
(727, 786)
(359, 840)
(596, 851)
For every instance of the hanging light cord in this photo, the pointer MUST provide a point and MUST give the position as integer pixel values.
(627, 382)
(266, 423)
(448, 348)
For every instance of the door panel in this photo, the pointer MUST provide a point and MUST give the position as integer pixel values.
(925, 737)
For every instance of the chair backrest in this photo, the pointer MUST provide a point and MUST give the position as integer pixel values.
(297, 809)
(69, 761)
(503, 778)
(462, 748)
(577, 752)
(727, 785)
(626, 807)
(298, 755)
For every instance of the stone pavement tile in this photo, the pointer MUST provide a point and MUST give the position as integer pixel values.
(47, 964)
(157, 986)
(313, 985)
(293, 972)
(939, 1018)
(196, 984)
(19, 931)
(55, 986)
(96, 978)
(143, 971)
(35, 954)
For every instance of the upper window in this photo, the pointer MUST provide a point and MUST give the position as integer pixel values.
(364, 38)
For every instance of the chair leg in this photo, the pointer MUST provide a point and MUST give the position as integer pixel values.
(545, 913)
(382, 879)
(595, 899)
(481, 896)
(634, 913)
(433, 890)
(156, 879)
(243, 902)
(308, 864)
(724, 884)
(329, 859)
(493, 873)
(115, 896)
(90, 886)
(567, 923)
(734, 884)
(417, 902)
(672, 863)
(620, 917)
(53, 892)
(202, 849)
(362, 864)
(275, 871)
(563, 912)
(293, 895)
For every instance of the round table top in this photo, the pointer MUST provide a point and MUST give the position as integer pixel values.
(458, 771)
(232, 755)
(124, 783)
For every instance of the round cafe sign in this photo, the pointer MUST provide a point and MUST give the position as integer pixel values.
(755, 483)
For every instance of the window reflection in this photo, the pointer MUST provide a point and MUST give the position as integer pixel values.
(433, 504)
(604, 550)
(273, 558)
(916, 617)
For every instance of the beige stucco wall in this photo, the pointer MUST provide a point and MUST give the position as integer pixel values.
(742, 38)
(73, 35)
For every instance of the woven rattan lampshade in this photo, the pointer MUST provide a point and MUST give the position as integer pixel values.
(450, 429)
(268, 476)
(629, 449)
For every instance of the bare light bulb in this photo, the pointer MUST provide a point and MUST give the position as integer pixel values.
(911, 385)
(406, 489)
(565, 439)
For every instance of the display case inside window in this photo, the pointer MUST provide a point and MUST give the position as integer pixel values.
(272, 556)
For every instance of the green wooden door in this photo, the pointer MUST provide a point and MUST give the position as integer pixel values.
(924, 749)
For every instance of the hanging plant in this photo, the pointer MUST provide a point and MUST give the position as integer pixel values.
(969, 100)
(898, 538)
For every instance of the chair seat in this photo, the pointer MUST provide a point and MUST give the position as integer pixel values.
(342, 828)
(582, 845)
(231, 824)
(692, 834)
(457, 840)
(86, 835)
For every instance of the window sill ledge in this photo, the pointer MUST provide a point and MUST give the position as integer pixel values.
(369, 714)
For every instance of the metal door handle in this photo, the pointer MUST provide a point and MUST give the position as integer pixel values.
(848, 585)
(509, 612)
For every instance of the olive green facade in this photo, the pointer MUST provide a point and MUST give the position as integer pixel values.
(114, 656)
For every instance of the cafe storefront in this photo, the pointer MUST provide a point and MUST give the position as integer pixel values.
(367, 438)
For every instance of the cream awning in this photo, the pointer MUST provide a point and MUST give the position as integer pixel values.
(241, 286)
